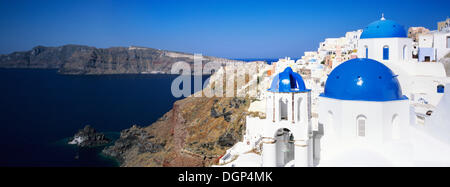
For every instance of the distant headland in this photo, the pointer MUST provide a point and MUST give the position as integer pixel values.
(86, 60)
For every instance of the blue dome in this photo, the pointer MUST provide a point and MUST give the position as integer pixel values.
(288, 81)
(384, 29)
(363, 79)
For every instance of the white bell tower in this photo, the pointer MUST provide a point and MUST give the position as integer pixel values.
(287, 134)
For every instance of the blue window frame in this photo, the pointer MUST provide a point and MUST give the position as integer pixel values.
(367, 52)
(385, 53)
(440, 89)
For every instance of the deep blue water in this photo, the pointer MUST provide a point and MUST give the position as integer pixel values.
(40, 109)
(268, 60)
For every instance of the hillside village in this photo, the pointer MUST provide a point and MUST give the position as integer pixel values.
(257, 131)
(413, 107)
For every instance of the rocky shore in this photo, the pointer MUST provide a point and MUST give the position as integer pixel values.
(89, 137)
(133, 139)
(193, 133)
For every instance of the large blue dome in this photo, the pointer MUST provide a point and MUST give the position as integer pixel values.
(288, 81)
(363, 79)
(384, 29)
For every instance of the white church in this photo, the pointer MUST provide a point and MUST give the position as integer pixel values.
(365, 115)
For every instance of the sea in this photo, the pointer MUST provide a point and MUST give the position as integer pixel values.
(267, 60)
(40, 110)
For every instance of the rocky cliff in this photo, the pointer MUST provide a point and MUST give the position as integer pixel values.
(196, 132)
(78, 59)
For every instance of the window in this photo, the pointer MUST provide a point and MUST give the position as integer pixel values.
(330, 118)
(283, 110)
(299, 111)
(386, 52)
(404, 52)
(395, 127)
(361, 126)
(448, 41)
(440, 88)
(367, 52)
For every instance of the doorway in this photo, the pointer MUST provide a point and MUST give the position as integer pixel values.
(284, 146)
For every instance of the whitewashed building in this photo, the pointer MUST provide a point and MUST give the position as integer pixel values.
(360, 112)
(434, 45)
(386, 41)
(367, 114)
(285, 134)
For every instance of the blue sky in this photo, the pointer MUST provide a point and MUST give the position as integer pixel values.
(224, 28)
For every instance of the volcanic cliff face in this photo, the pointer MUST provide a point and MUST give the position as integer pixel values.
(78, 59)
(196, 132)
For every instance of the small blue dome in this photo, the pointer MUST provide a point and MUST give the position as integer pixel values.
(384, 29)
(363, 79)
(288, 81)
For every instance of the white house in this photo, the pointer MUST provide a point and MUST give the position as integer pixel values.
(386, 41)
(361, 110)
(434, 45)
(366, 116)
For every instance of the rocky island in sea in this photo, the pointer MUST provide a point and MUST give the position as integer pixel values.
(86, 60)
(89, 137)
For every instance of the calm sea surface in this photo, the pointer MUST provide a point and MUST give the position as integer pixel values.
(40, 110)
(267, 60)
